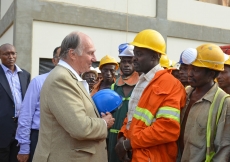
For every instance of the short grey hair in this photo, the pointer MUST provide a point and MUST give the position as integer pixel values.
(71, 41)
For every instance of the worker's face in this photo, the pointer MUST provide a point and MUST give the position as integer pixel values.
(8, 55)
(99, 76)
(142, 59)
(56, 58)
(108, 72)
(176, 74)
(198, 76)
(224, 77)
(183, 74)
(126, 66)
(90, 77)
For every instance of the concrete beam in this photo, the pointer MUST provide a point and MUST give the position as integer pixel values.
(77, 15)
(198, 32)
(7, 19)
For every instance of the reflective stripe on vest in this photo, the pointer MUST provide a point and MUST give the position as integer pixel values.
(123, 98)
(114, 131)
(209, 152)
(112, 86)
(168, 112)
(146, 116)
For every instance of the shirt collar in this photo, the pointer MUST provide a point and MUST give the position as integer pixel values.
(5, 69)
(209, 96)
(65, 64)
(211, 93)
(150, 75)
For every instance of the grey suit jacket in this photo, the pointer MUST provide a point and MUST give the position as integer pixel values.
(70, 128)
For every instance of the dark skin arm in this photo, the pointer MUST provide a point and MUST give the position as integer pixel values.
(127, 89)
(23, 157)
(120, 150)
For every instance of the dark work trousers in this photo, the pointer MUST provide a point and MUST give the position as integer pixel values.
(9, 154)
(34, 140)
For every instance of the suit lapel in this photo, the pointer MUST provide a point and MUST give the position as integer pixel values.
(81, 86)
(5, 83)
(22, 80)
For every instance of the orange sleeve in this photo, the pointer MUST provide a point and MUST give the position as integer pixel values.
(162, 131)
(123, 131)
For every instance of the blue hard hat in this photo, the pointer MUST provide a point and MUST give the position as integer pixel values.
(107, 100)
(181, 61)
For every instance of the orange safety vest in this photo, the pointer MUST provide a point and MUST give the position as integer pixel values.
(155, 126)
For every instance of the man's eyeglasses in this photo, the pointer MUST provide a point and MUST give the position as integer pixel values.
(7, 54)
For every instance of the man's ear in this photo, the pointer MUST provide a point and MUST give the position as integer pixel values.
(71, 54)
(53, 61)
(211, 74)
(156, 56)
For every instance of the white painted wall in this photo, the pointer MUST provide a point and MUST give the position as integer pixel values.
(200, 13)
(7, 37)
(47, 36)
(175, 46)
(136, 7)
(5, 4)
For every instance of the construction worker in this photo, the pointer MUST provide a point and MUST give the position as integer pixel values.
(205, 120)
(99, 73)
(108, 66)
(123, 86)
(186, 57)
(152, 126)
(90, 77)
(224, 77)
(175, 69)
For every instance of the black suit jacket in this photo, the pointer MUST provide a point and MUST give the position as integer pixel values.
(7, 106)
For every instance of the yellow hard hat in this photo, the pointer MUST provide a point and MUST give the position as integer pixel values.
(210, 56)
(164, 61)
(108, 60)
(150, 39)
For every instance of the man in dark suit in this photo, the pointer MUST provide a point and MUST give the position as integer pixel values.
(13, 84)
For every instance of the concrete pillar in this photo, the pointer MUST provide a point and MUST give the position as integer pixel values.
(23, 22)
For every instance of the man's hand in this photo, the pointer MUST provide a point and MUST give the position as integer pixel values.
(23, 157)
(108, 119)
(120, 150)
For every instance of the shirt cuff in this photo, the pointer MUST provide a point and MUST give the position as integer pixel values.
(105, 122)
(24, 149)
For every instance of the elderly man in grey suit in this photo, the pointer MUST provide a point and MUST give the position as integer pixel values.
(71, 129)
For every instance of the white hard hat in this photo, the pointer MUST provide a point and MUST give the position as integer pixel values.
(188, 56)
(126, 50)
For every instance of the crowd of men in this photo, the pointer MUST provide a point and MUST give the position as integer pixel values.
(171, 112)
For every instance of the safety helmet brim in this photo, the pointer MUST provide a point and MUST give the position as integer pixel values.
(143, 46)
